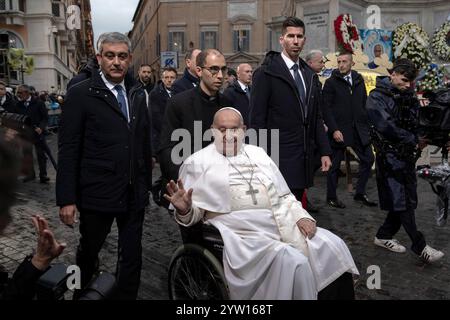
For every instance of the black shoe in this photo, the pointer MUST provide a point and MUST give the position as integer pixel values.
(310, 207)
(336, 203)
(28, 178)
(362, 198)
(44, 179)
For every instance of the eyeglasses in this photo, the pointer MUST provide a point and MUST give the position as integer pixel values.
(111, 55)
(214, 70)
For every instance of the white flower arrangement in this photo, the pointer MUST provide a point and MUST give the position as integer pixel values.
(440, 43)
(412, 42)
(432, 80)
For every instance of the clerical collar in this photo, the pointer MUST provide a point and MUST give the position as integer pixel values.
(206, 96)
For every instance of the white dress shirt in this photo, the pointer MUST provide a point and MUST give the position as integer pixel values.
(290, 64)
(111, 86)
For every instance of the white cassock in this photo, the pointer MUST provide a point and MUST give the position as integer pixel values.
(265, 254)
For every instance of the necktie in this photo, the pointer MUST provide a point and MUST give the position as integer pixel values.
(121, 100)
(348, 80)
(299, 83)
(247, 92)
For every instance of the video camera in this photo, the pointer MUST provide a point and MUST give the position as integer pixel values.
(18, 122)
(434, 119)
(52, 285)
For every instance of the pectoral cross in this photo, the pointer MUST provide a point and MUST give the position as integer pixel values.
(252, 193)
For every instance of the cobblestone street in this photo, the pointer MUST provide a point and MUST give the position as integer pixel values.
(403, 276)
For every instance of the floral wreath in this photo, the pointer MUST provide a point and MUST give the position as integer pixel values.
(411, 42)
(441, 41)
(432, 79)
(347, 33)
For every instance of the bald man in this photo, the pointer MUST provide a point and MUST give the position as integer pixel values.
(239, 92)
(272, 247)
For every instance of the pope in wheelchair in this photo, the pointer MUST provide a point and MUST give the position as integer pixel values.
(272, 247)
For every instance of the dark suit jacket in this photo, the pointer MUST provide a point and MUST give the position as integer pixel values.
(157, 102)
(36, 111)
(275, 104)
(101, 156)
(345, 109)
(239, 99)
(10, 104)
(184, 83)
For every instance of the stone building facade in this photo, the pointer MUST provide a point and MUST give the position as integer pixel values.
(57, 34)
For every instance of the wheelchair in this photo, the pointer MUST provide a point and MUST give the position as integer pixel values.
(195, 270)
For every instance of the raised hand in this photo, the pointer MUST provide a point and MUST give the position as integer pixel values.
(180, 199)
(47, 246)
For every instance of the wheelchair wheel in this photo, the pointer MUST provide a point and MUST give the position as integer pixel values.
(195, 274)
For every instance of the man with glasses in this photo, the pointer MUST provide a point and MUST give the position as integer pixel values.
(192, 110)
(105, 163)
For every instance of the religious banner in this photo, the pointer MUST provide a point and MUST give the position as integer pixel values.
(375, 43)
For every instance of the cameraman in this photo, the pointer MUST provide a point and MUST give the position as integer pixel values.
(22, 284)
(393, 112)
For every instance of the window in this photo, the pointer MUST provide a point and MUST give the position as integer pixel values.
(208, 40)
(22, 5)
(176, 41)
(158, 45)
(241, 40)
(56, 46)
(55, 9)
(2, 4)
(10, 40)
(3, 64)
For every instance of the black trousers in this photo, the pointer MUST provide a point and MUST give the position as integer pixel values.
(340, 289)
(94, 228)
(41, 158)
(366, 158)
(407, 219)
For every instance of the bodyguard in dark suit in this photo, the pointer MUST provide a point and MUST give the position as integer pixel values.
(286, 95)
(189, 79)
(158, 101)
(105, 163)
(35, 109)
(239, 91)
(344, 96)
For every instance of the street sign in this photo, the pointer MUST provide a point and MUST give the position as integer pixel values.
(169, 59)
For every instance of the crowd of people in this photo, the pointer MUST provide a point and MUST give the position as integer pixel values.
(114, 129)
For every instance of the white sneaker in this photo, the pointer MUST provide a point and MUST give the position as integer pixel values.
(390, 244)
(431, 255)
